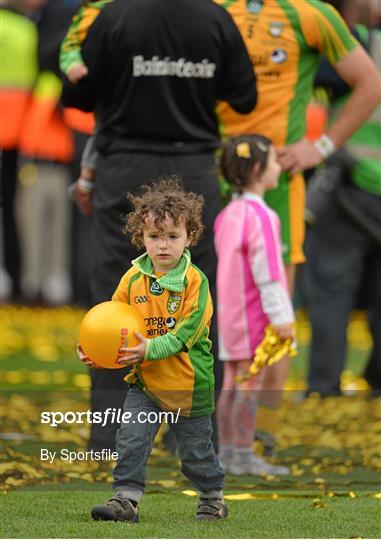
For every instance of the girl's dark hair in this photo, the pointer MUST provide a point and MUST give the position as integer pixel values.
(239, 156)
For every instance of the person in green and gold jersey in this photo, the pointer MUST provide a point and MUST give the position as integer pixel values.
(285, 40)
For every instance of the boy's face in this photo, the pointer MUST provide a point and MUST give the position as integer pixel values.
(165, 247)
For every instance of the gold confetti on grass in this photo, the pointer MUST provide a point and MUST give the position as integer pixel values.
(318, 503)
(44, 333)
(319, 439)
(167, 483)
(47, 333)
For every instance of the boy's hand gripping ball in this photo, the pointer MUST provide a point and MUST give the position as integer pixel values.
(106, 328)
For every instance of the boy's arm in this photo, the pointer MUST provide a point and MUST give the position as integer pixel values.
(150, 349)
(163, 347)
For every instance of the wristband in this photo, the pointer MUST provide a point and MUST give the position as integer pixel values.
(325, 146)
(84, 185)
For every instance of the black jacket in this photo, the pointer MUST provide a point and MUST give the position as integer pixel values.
(157, 69)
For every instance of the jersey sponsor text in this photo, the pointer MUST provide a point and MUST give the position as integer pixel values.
(156, 67)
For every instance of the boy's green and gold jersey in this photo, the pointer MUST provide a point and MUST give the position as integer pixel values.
(285, 39)
(178, 302)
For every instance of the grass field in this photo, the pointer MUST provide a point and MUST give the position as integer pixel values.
(65, 514)
(332, 447)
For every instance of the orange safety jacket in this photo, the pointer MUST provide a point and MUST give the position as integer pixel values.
(44, 134)
(18, 59)
(79, 120)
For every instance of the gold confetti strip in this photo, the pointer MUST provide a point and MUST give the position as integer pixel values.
(166, 483)
(317, 502)
(240, 497)
(189, 493)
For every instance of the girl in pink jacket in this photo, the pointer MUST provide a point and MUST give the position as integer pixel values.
(252, 293)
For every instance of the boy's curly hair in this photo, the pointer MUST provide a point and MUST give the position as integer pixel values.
(165, 197)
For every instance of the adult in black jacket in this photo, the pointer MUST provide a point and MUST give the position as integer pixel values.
(156, 70)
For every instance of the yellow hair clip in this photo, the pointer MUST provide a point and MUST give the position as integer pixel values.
(243, 150)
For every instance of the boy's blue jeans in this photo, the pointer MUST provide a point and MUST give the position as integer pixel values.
(134, 440)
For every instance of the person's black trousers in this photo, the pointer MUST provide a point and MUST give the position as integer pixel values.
(116, 175)
(341, 256)
(12, 253)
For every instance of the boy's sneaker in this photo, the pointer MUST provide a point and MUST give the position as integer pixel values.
(116, 509)
(259, 466)
(211, 510)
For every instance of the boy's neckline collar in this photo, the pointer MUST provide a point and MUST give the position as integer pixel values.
(172, 280)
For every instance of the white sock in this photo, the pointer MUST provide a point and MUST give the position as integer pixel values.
(242, 455)
(225, 452)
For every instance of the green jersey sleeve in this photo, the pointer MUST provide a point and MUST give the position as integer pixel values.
(325, 30)
(70, 53)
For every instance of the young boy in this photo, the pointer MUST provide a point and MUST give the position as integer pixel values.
(174, 370)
